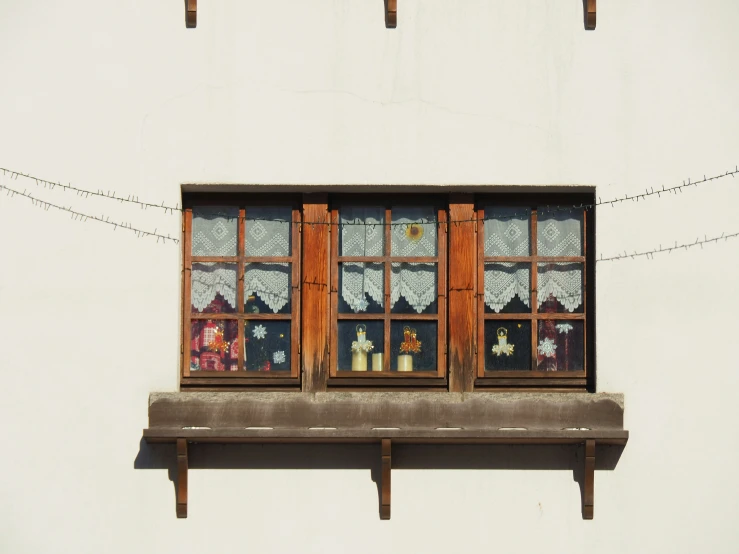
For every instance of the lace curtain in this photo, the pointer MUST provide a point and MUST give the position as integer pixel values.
(362, 234)
(559, 233)
(214, 230)
(267, 233)
(209, 279)
(415, 282)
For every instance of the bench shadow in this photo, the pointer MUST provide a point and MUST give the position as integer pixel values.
(367, 456)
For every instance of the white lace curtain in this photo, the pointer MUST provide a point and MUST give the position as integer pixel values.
(363, 234)
(507, 233)
(215, 232)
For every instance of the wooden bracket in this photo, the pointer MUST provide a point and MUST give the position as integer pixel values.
(385, 481)
(191, 13)
(589, 8)
(588, 493)
(391, 14)
(182, 478)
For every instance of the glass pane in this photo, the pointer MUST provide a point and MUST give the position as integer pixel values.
(214, 345)
(507, 288)
(559, 232)
(214, 230)
(267, 231)
(413, 288)
(361, 345)
(414, 231)
(213, 288)
(267, 288)
(413, 345)
(560, 287)
(507, 345)
(561, 345)
(267, 345)
(507, 231)
(362, 231)
(362, 287)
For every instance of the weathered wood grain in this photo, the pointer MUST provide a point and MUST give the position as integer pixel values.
(315, 280)
(462, 287)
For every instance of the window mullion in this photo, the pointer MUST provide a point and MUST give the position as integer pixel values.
(534, 290)
(240, 300)
(388, 268)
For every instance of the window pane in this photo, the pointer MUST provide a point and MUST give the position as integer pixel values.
(214, 345)
(414, 231)
(213, 288)
(507, 345)
(507, 231)
(214, 230)
(413, 345)
(267, 345)
(559, 232)
(267, 231)
(560, 287)
(362, 287)
(361, 345)
(561, 345)
(267, 288)
(507, 287)
(413, 288)
(362, 231)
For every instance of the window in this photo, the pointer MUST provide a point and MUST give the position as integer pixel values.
(447, 291)
(241, 274)
(532, 307)
(388, 271)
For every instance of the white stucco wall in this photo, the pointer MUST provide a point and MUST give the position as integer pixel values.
(121, 96)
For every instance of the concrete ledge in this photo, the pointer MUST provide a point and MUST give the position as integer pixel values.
(423, 415)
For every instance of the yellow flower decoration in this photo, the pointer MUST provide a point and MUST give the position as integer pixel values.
(414, 232)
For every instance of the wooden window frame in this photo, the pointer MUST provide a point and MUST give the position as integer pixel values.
(565, 380)
(460, 296)
(388, 377)
(241, 377)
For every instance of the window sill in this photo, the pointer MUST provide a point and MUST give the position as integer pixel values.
(387, 418)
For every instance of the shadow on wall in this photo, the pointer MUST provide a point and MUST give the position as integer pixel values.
(367, 456)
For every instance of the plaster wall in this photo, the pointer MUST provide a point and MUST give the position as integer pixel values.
(120, 96)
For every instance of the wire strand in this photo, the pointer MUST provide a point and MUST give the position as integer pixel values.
(549, 209)
(84, 217)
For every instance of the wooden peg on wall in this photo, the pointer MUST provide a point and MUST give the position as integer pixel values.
(191, 13)
(589, 6)
(391, 14)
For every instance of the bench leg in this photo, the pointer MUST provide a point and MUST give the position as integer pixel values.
(182, 478)
(385, 480)
(588, 493)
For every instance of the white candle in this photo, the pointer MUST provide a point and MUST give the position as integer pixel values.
(405, 362)
(359, 361)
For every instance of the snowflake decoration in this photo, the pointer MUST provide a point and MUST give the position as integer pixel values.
(279, 357)
(259, 332)
(547, 348)
(564, 327)
(362, 305)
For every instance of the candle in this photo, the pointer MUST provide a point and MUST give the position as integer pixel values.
(359, 361)
(377, 362)
(405, 362)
